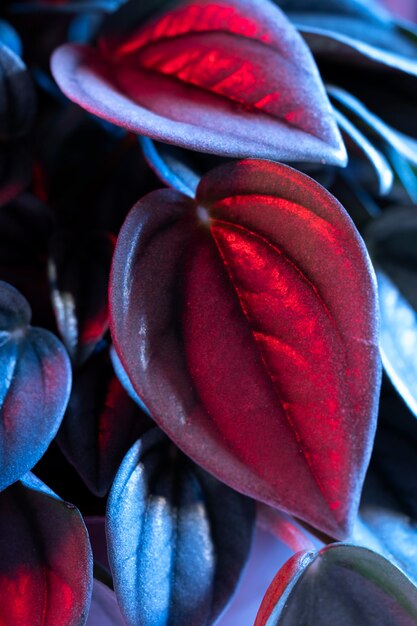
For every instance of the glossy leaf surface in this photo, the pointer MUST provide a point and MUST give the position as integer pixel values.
(228, 309)
(100, 425)
(17, 95)
(79, 268)
(45, 558)
(178, 539)
(34, 388)
(341, 584)
(233, 79)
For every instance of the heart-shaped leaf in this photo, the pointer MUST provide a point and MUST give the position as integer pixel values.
(79, 268)
(178, 539)
(229, 320)
(100, 425)
(46, 565)
(235, 81)
(34, 387)
(341, 584)
(17, 96)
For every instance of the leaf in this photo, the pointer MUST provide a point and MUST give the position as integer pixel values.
(177, 538)
(100, 425)
(176, 167)
(357, 142)
(384, 527)
(17, 96)
(78, 268)
(10, 38)
(392, 242)
(374, 125)
(236, 82)
(45, 558)
(125, 380)
(35, 385)
(65, 6)
(366, 22)
(228, 318)
(341, 584)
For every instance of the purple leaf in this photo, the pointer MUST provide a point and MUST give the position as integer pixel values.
(35, 385)
(45, 558)
(178, 539)
(229, 307)
(238, 81)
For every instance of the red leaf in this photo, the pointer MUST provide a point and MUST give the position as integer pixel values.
(231, 77)
(247, 323)
(45, 558)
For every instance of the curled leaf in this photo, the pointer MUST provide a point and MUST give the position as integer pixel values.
(237, 81)
(46, 565)
(341, 584)
(228, 307)
(34, 388)
(178, 539)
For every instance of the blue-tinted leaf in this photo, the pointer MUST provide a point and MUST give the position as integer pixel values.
(374, 125)
(385, 528)
(17, 95)
(79, 268)
(100, 425)
(358, 142)
(67, 6)
(177, 167)
(10, 38)
(178, 538)
(35, 384)
(125, 380)
(398, 339)
(392, 241)
(45, 558)
(341, 584)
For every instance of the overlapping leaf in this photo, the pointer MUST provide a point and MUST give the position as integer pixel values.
(178, 539)
(79, 267)
(228, 317)
(341, 584)
(235, 80)
(392, 240)
(45, 558)
(101, 423)
(34, 388)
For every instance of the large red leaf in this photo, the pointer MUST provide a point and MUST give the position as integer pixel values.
(246, 321)
(231, 77)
